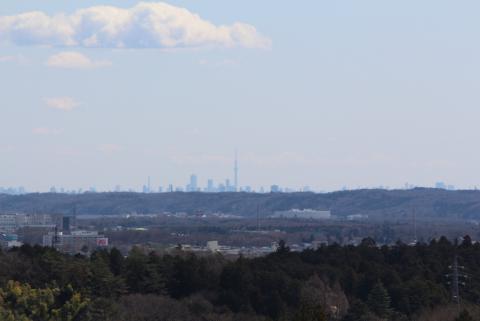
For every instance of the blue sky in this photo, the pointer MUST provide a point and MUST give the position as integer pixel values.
(321, 93)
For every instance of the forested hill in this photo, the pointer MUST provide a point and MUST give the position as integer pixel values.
(395, 203)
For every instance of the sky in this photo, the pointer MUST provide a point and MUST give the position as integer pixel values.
(325, 94)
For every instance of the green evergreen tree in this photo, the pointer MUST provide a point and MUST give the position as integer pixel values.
(117, 261)
(282, 247)
(103, 282)
(379, 301)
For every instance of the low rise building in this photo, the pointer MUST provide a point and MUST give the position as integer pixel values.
(12, 221)
(7, 241)
(8, 222)
(76, 241)
(213, 246)
(357, 217)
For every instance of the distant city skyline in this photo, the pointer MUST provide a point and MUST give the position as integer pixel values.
(211, 186)
(326, 94)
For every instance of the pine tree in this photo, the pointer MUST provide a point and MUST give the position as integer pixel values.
(117, 261)
(379, 301)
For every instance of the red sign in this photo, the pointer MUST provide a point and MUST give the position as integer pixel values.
(102, 241)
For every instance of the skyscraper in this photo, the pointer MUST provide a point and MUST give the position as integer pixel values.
(210, 186)
(193, 186)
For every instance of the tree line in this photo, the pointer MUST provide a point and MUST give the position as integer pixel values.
(347, 283)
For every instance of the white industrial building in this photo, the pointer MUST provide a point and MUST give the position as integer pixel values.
(213, 246)
(308, 214)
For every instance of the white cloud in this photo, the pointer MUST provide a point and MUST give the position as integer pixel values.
(74, 60)
(62, 103)
(146, 25)
(45, 131)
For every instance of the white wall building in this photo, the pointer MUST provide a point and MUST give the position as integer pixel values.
(308, 214)
(213, 246)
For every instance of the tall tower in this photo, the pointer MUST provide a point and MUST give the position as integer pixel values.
(235, 172)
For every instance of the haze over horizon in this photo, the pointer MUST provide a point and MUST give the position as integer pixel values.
(322, 94)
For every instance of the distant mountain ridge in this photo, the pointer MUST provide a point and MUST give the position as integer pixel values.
(427, 202)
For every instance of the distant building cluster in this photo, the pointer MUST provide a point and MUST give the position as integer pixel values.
(215, 247)
(13, 190)
(73, 241)
(192, 186)
(211, 187)
(442, 185)
(228, 185)
(61, 232)
(251, 251)
(10, 223)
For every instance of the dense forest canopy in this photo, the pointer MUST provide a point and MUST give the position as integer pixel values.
(432, 203)
(331, 283)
